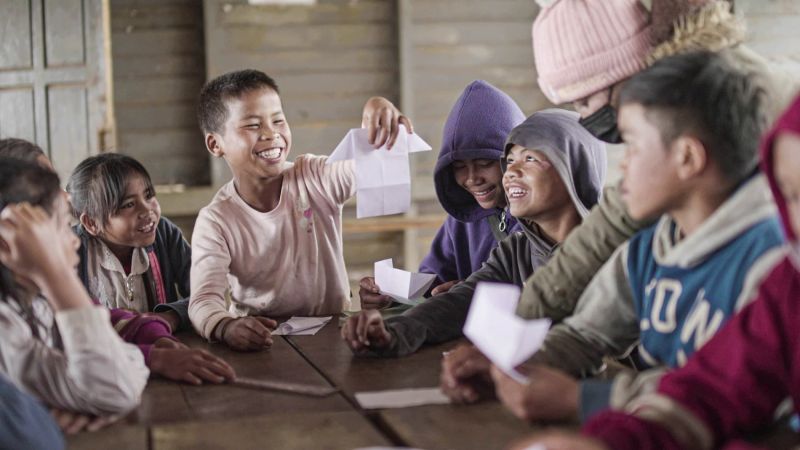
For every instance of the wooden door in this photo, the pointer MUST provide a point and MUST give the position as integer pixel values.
(53, 77)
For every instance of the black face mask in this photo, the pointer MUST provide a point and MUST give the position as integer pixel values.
(603, 125)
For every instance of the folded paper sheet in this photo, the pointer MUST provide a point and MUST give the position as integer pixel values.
(401, 398)
(383, 178)
(403, 286)
(492, 325)
(301, 326)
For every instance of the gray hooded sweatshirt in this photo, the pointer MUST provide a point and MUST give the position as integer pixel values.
(580, 161)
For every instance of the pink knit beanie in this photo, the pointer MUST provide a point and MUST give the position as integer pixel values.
(584, 46)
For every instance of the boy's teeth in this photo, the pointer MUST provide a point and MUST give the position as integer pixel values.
(147, 228)
(270, 153)
(517, 192)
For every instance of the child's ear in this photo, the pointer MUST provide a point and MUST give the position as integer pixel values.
(691, 156)
(89, 224)
(213, 144)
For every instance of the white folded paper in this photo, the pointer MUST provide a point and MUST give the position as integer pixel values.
(492, 325)
(301, 326)
(403, 286)
(383, 179)
(401, 398)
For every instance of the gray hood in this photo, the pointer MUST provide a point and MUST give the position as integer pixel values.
(578, 157)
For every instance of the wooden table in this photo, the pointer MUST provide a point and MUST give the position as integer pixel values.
(332, 430)
(485, 425)
(179, 416)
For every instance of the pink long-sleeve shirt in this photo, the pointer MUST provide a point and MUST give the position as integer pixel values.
(283, 262)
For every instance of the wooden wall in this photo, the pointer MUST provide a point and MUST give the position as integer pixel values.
(159, 67)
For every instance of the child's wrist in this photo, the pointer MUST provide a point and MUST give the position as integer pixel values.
(221, 328)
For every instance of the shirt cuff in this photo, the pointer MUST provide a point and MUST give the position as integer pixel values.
(594, 396)
(181, 308)
(84, 327)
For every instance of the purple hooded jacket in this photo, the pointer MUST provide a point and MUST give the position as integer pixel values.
(476, 128)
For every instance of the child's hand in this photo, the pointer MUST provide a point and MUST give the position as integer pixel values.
(382, 119)
(366, 330)
(166, 342)
(370, 294)
(192, 365)
(72, 422)
(249, 333)
(26, 243)
(549, 395)
(444, 287)
(465, 374)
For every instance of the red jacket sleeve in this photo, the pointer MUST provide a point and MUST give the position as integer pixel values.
(729, 387)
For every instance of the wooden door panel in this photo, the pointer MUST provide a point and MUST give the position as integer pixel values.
(15, 34)
(67, 131)
(53, 77)
(16, 113)
(63, 33)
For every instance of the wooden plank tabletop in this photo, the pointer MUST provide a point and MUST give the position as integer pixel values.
(118, 437)
(328, 430)
(331, 356)
(483, 426)
(279, 363)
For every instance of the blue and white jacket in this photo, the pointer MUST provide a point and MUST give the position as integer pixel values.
(668, 294)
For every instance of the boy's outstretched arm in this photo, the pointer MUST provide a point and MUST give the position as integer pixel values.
(382, 119)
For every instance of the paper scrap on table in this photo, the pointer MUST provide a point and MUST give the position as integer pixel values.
(405, 287)
(401, 398)
(383, 178)
(301, 326)
(493, 326)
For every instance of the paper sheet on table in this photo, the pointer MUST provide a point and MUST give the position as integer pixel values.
(401, 398)
(383, 178)
(405, 287)
(493, 326)
(301, 326)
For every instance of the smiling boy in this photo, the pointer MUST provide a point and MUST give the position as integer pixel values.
(554, 172)
(272, 236)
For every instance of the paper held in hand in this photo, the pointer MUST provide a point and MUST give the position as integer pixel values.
(493, 326)
(403, 286)
(383, 178)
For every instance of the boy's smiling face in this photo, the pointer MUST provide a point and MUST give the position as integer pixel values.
(255, 138)
(482, 178)
(650, 184)
(533, 186)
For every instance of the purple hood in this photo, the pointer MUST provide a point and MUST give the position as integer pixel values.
(476, 128)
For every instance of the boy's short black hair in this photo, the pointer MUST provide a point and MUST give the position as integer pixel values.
(97, 186)
(709, 96)
(212, 110)
(20, 149)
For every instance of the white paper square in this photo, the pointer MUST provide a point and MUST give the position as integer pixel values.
(492, 325)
